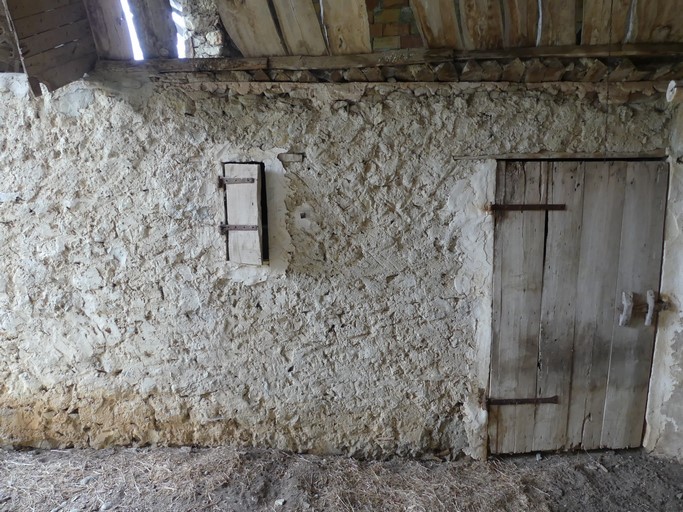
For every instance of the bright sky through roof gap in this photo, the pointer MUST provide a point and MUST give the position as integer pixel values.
(180, 24)
(137, 50)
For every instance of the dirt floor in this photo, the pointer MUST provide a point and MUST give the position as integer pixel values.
(229, 479)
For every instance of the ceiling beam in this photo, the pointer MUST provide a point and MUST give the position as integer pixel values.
(671, 51)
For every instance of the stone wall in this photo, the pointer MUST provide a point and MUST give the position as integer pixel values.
(121, 322)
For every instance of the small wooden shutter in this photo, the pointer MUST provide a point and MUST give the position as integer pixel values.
(244, 227)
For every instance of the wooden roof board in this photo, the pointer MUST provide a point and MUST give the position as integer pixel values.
(605, 21)
(482, 24)
(109, 29)
(520, 23)
(437, 22)
(347, 26)
(300, 27)
(657, 21)
(251, 27)
(558, 23)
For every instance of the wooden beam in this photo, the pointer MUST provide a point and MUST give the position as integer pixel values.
(155, 28)
(520, 21)
(347, 27)
(482, 24)
(605, 21)
(300, 27)
(558, 23)
(396, 58)
(437, 22)
(251, 26)
(109, 29)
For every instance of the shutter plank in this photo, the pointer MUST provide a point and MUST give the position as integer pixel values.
(438, 23)
(251, 26)
(640, 262)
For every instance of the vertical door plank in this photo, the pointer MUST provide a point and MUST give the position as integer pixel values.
(347, 26)
(155, 28)
(639, 270)
(597, 17)
(657, 21)
(251, 26)
(519, 251)
(558, 304)
(438, 23)
(597, 280)
(558, 23)
(521, 23)
(300, 27)
(109, 29)
(243, 202)
(482, 24)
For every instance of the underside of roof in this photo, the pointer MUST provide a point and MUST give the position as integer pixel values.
(354, 40)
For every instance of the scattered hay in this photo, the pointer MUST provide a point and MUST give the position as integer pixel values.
(185, 479)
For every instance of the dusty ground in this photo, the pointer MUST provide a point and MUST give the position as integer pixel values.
(259, 480)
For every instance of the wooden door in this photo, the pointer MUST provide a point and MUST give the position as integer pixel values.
(564, 373)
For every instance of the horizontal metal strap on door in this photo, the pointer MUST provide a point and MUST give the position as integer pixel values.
(525, 207)
(225, 228)
(524, 401)
(222, 181)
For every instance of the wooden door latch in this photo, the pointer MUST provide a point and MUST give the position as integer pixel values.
(650, 307)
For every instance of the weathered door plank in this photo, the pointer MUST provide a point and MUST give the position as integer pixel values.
(639, 270)
(558, 303)
(518, 252)
(597, 280)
